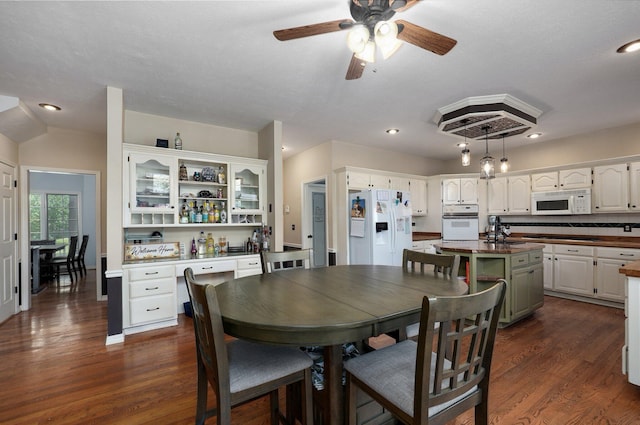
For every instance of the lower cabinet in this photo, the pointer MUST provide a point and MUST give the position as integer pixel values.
(150, 294)
(526, 283)
(573, 269)
(153, 294)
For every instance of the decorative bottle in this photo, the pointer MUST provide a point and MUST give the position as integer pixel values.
(199, 215)
(210, 244)
(223, 214)
(205, 212)
(216, 213)
(178, 141)
(202, 244)
(194, 250)
(192, 213)
(221, 177)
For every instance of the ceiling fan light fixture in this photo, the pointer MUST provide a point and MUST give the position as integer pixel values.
(369, 52)
(358, 38)
(386, 37)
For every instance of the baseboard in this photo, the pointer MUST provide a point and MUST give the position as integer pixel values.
(115, 339)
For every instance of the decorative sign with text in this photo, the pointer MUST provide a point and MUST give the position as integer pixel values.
(151, 251)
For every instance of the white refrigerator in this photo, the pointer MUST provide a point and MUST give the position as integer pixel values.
(379, 226)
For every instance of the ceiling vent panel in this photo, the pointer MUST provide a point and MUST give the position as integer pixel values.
(503, 114)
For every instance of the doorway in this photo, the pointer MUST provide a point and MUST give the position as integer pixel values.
(315, 222)
(84, 182)
(8, 243)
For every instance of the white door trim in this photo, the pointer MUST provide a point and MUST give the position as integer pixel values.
(316, 185)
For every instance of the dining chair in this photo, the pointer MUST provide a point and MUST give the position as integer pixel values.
(415, 381)
(285, 260)
(68, 260)
(79, 259)
(240, 371)
(441, 264)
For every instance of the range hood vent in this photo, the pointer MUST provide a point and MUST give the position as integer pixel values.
(503, 114)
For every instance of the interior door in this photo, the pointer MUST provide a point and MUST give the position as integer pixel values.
(318, 228)
(8, 244)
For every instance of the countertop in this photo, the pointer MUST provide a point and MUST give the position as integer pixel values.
(585, 240)
(481, 247)
(631, 269)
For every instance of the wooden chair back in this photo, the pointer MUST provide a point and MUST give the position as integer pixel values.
(285, 260)
(467, 330)
(445, 264)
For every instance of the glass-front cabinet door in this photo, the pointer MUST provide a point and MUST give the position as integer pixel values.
(151, 189)
(247, 193)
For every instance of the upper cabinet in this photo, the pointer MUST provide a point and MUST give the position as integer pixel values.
(509, 195)
(400, 184)
(634, 186)
(149, 189)
(611, 188)
(418, 190)
(578, 178)
(460, 191)
(357, 180)
(164, 187)
(247, 192)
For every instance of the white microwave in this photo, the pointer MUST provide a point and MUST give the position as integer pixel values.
(562, 202)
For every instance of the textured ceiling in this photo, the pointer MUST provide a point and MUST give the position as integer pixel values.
(217, 62)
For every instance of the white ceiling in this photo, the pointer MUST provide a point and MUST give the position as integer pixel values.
(217, 62)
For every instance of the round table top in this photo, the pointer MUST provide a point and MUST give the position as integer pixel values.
(329, 305)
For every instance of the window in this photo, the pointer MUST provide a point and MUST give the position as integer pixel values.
(54, 216)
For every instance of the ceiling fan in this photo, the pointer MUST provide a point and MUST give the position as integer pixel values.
(371, 28)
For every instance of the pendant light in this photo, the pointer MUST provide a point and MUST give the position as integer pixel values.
(487, 167)
(504, 162)
(466, 154)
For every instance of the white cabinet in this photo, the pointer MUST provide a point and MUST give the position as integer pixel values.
(149, 189)
(544, 182)
(609, 282)
(460, 191)
(203, 189)
(547, 262)
(634, 186)
(247, 192)
(509, 195)
(149, 297)
(249, 266)
(578, 178)
(573, 269)
(631, 348)
(497, 196)
(357, 180)
(611, 188)
(519, 195)
(418, 190)
(400, 184)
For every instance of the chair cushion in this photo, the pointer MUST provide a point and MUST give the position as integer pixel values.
(252, 364)
(391, 371)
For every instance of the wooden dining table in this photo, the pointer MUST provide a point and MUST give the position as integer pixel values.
(328, 307)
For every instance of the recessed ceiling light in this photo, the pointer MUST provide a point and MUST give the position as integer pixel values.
(393, 131)
(632, 46)
(49, 107)
(534, 135)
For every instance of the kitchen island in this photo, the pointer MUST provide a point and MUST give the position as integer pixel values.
(519, 263)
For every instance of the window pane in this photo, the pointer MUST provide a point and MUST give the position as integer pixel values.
(62, 217)
(35, 210)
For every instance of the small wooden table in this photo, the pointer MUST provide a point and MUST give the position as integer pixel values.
(46, 251)
(328, 307)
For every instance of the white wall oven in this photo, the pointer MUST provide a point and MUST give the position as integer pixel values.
(460, 222)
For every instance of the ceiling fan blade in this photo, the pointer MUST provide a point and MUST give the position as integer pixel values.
(314, 29)
(356, 68)
(402, 8)
(424, 38)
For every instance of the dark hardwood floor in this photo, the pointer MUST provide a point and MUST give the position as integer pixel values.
(561, 366)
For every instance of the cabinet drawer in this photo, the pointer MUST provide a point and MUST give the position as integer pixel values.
(519, 260)
(535, 257)
(207, 267)
(143, 273)
(574, 250)
(152, 287)
(153, 309)
(252, 262)
(619, 253)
